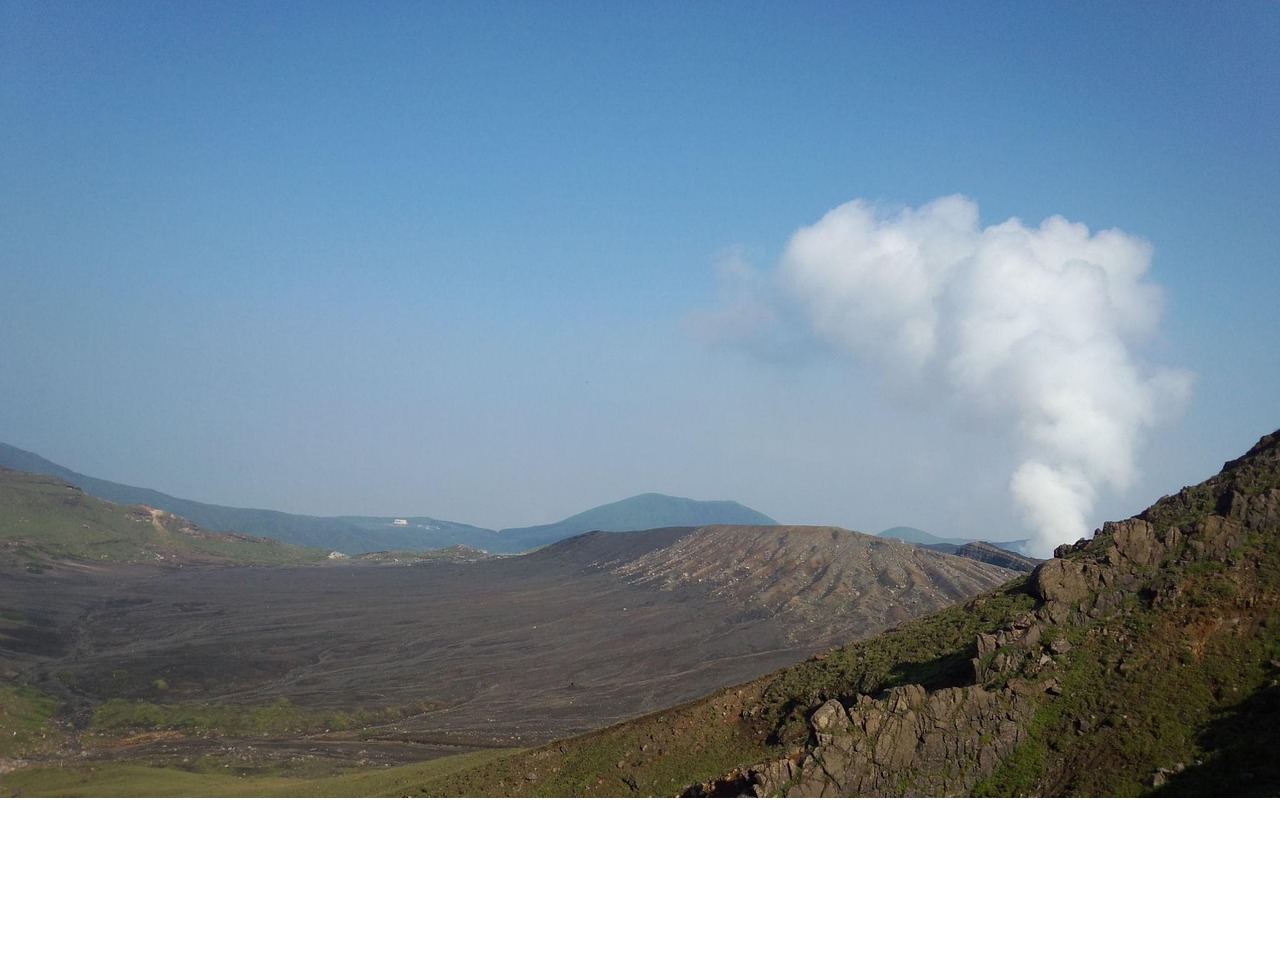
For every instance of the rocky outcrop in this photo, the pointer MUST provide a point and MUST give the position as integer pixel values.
(914, 742)
(909, 741)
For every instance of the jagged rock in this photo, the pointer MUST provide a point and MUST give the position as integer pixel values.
(830, 714)
(1259, 511)
(1214, 538)
(1059, 581)
(770, 779)
(912, 742)
(1133, 542)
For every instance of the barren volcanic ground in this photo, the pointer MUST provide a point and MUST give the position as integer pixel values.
(500, 651)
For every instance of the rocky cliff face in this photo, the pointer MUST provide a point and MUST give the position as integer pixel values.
(1137, 643)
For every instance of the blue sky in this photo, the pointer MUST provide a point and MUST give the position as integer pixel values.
(457, 259)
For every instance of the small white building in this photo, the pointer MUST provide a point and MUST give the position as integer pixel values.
(401, 523)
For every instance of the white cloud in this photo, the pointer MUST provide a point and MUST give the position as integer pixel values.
(1028, 330)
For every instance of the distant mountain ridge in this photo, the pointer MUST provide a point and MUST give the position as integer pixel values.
(922, 538)
(351, 534)
(647, 511)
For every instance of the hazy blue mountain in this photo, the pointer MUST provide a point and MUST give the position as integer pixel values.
(367, 534)
(647, 511)
(914, 535)
(924, 539)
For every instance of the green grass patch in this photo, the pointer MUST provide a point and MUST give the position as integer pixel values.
(26, 721)
(654, 756)
(278, 719)
(142, 780)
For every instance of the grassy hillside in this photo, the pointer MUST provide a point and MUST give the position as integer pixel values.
(346, 534)
(43, 518)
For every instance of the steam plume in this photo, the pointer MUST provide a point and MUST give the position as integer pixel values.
(1027, 329)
